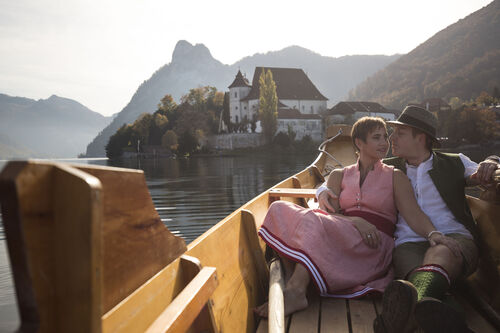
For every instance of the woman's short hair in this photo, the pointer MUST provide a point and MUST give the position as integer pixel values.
(365, 126)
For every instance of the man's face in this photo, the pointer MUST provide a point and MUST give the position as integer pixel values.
(404, 144)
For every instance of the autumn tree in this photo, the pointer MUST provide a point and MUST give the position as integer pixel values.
(167, 105)
(484, 99)
(169, 140)
(268, 104)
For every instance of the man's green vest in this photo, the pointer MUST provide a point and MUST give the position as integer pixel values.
(447, 173)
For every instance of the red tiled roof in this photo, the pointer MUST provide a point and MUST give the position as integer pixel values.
(291, 83)
(345, 108)
(239, 81)
(295, 114)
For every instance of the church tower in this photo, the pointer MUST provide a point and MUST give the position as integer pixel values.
(238, 90)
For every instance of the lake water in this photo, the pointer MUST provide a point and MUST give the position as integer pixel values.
(190, 195)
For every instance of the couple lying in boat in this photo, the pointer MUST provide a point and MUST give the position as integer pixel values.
(404, 217)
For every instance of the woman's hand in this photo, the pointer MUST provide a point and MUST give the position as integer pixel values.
(452, 244)
(368, 231)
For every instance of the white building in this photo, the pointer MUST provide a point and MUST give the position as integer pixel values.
(301, 124)
(293, 87)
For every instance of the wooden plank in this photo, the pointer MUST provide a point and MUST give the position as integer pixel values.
(307, 320)
(136, 243)
(475, 321)
(237, 293)
(77, 250)
(256, 250)
(205, 321)
(334, 315)
(487, 275)
(276, 319)
(187, 305)
(293, 192)
(139, 310)
(362, 313)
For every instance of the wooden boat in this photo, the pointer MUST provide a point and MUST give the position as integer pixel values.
(89, 253)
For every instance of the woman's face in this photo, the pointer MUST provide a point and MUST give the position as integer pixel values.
(376, 145)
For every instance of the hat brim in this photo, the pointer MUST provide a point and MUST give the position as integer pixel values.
(436, 143)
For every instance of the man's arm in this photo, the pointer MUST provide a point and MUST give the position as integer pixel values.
(327, 194)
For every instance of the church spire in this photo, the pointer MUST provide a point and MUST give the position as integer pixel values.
(239, 81)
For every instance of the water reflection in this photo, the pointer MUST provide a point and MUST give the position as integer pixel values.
(191, 195)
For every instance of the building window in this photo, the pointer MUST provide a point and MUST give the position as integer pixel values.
(236, 94)
(236, 118)
(312, 109)
(244, 107)
(236, 108)
(303, 107)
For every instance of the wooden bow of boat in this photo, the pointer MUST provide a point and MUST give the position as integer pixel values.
(89, 253)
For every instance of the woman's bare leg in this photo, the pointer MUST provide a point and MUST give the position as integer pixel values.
(289, 267)
(294, 293)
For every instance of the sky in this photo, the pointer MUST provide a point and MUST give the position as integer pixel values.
(98, 52)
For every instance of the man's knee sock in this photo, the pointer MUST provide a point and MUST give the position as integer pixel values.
(430, 281)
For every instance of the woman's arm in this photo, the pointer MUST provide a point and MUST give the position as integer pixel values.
(368, 231)
(408, 207)
(334, 185)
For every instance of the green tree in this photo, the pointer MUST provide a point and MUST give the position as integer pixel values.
(187, 143)
(282, 139)
(226, 116)
(268, 104)
(141, 129)
(118, 141)
(169, 140)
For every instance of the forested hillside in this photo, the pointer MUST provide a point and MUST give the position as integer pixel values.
(460, 61)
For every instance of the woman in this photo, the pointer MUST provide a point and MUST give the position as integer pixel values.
(348, 253)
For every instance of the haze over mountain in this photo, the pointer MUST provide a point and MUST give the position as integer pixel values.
(55, 127)
(462, 60)
(193, 66)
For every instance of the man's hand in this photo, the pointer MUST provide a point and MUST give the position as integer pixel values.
(484, 172)
(438, 238)
(324, 200)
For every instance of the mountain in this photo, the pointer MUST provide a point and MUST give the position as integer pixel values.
(48, 128)
(193, 66)
(462, 60)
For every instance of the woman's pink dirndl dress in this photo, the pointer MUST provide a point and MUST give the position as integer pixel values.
(329, 246)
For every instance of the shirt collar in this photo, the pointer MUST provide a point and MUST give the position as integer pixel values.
(425, 164)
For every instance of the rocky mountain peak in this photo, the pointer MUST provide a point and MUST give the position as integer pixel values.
(186, 52)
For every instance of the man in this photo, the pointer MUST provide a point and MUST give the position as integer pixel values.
(439, 181)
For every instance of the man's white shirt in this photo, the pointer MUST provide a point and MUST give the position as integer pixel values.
(430, 202)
